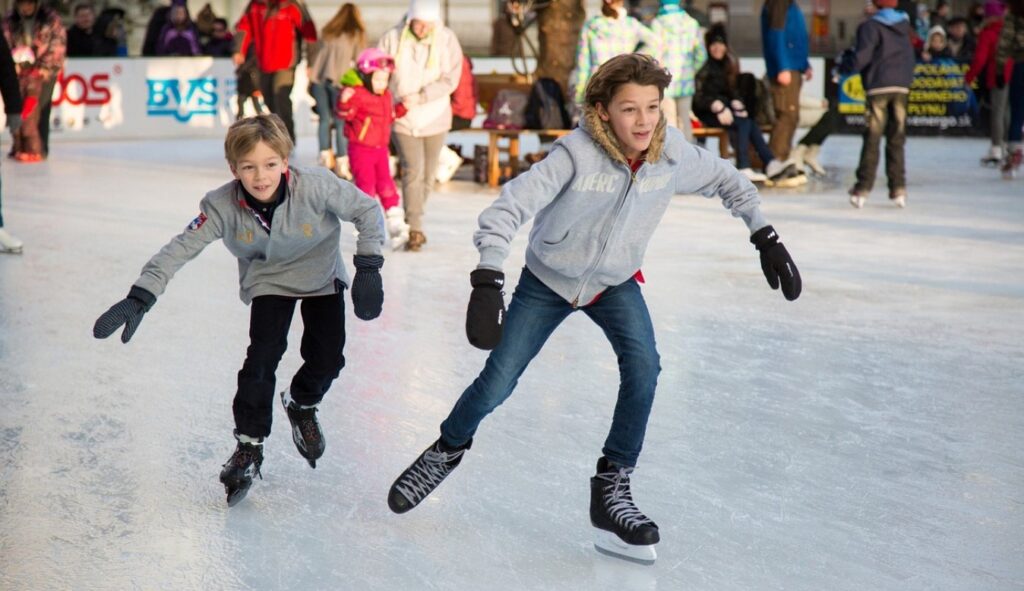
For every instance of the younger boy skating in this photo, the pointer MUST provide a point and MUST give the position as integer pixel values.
(283, 224)
(597, 198)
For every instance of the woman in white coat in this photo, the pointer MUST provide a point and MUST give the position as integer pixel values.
(428, 63)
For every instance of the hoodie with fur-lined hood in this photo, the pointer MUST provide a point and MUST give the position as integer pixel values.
(594, 215)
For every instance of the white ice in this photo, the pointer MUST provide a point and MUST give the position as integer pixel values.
(867, 436)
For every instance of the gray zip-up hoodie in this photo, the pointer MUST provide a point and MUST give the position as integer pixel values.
(594, 216)
(299, 257)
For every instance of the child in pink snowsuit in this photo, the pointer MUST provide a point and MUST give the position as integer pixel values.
(369, 111)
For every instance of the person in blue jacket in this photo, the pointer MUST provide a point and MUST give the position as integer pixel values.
(596, 199)
(786, 45)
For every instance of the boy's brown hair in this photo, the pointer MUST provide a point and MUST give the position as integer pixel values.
(622, 69)
(244, 134)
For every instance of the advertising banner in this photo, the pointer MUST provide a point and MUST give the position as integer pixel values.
(939, 103)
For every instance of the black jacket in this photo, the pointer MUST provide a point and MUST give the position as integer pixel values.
(9, 79)
(883, 54)
(712, 84)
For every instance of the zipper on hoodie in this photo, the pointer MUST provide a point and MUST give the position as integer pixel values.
(604, 245)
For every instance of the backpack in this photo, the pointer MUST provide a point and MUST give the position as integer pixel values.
(546, 107)
(757, 96)
(507, 110)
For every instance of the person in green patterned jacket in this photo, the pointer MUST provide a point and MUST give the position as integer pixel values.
(682, 54)
(607, 35)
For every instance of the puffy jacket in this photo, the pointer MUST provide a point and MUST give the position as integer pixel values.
(271, 28)
(368, 116)
(48, 43)
(429, 67)
(882, 53)
(682, 52)
(1011, 39)
(985, 57)
(786, 48)
(713, 85)
(603, 38)
(464, 99)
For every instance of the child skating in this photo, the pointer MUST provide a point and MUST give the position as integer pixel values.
(369, 111)
(596, 199)
(283, 224)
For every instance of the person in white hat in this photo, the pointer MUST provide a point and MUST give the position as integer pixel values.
(428, 64)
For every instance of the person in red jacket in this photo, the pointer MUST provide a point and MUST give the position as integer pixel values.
(270, 26)
(369, 111)
(465, 97)
(984, 69)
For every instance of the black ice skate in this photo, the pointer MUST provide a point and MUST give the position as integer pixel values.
(422, 477)
(306, 432)
(240, 469)
(623, 531)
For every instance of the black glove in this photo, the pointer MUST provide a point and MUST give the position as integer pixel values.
(367, 287)
(776, 263)
(128, 312)
(485, 316)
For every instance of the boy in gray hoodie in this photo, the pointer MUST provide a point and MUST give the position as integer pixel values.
(596, 199)
(283, 224)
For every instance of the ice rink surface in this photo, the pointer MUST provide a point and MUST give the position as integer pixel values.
(868, 436)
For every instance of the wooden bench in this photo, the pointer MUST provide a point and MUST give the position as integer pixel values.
(511, 148)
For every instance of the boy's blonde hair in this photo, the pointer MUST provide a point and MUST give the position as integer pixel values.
(637, 68)
(244, 134)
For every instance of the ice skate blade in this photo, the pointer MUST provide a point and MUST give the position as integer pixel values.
(236, 496)
(15, 250)
(610, 544)
(312, 463)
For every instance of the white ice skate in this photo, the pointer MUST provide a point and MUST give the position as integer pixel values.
(9, 244)
(994, 157)
(610, 544)
(398, 230)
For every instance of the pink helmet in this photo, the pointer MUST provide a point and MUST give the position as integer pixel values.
(371, 60)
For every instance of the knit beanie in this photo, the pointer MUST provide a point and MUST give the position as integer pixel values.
(994, 8)
(886, 3)
(425, 10)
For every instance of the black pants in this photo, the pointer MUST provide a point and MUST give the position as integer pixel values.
(322, 350)
(277, 94)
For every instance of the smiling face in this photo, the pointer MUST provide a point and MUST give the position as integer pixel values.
(633, 115)
(260, 171)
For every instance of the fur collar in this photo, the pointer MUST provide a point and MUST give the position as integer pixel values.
(604, 137)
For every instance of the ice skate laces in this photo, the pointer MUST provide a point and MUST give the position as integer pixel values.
(245, 455)
(618, 500)
(427, 473)
(306, 420)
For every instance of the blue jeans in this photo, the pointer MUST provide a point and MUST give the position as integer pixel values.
(742, 133)
(1016, 102)
(326, 96)
(533, 314)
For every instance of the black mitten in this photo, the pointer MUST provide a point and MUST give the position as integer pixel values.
(776, 263)
(128, 312)
(485, 316)
(367, 287)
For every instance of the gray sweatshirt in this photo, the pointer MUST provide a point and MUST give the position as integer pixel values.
(594, 217)
(299, 257)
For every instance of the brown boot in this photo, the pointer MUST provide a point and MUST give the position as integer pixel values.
(416, 241)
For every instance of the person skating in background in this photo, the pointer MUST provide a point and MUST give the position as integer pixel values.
(299, 261)
(602, 189)
(179, 36)
(884, 57)
(38, 43)
(682, 53)
(1011, 47)
(341, 40)
(12, 108)
(786, 45)
(718, 103)
(606, 35)
(428, 65)
(993, 79)
(270, 26)
(368, 110)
